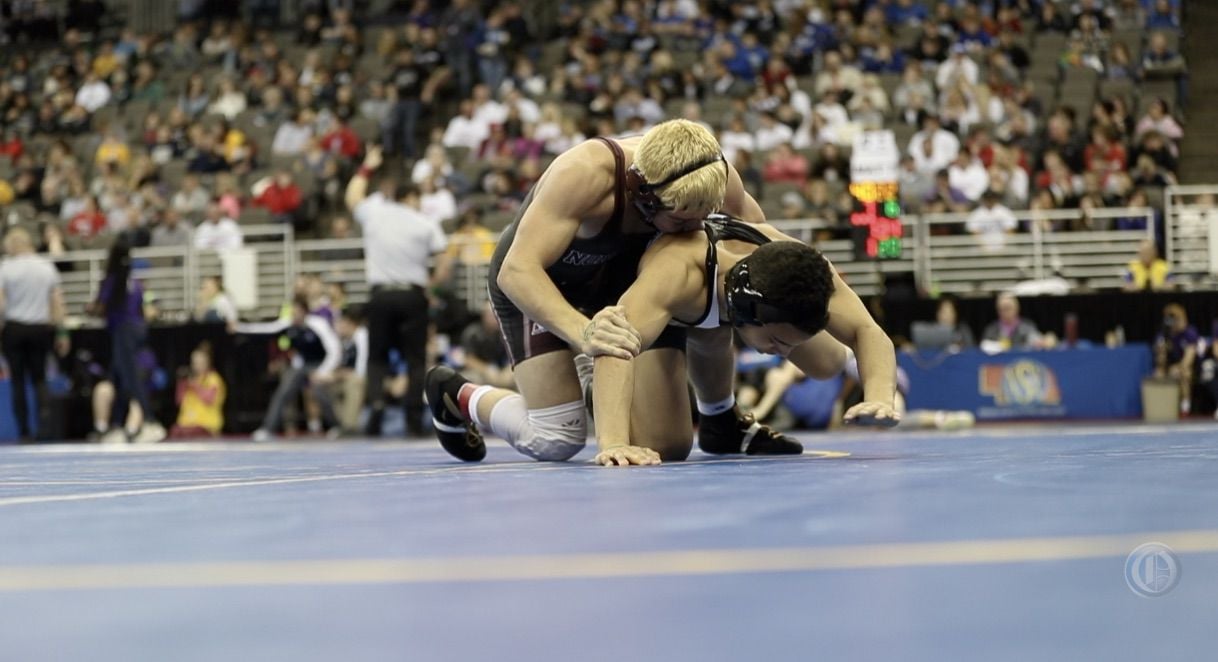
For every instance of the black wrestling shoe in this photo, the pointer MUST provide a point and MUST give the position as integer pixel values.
(457, 435)
(736, 432)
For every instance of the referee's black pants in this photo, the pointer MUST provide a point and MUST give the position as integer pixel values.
(397, 318)
(25, 348)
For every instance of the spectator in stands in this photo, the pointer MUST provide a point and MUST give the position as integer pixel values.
(88, 222)
(213, 303)
(1148, 271)
(341, 140)
(1159, 61)
(1120, 64)
(1010, 331)
(464, 129)
(279, 195)
(472, 243)
(1162, 16)
(230, 101)
(1154, 145)
(316, 354)
(1105, 155)
(191, 200)
(217, 232)
(194, 100)
(933, 149)
(968, 175)
(1176, 352)
(957, 68)
(200, 396)
(770, 133)
(171, 231)
(486, 359)
(436, 201)
(93, 94)
(785, 166)
(1158, 118)
(735, 137)
(991, 222)
(293, 136)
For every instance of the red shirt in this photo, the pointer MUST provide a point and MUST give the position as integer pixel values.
(12, 149)
(86, 224)
(279, 199)
(343, 141)
(793, 170)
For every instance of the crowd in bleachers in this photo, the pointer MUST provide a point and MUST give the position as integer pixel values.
(224, 122)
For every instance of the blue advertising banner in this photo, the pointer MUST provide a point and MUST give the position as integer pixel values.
(1067, 383)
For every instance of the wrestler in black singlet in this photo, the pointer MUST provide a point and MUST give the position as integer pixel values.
(592, 273)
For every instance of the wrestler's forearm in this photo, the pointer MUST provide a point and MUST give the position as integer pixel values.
(877, 362)
(536, 296)
(612, 395)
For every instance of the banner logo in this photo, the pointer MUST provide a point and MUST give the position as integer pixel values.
(1021, 383)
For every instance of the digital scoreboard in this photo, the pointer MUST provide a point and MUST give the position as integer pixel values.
(875, 189)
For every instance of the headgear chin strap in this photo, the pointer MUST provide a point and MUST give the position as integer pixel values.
(748, 306)
(647, 200)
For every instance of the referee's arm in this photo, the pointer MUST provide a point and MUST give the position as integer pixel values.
(357, 188)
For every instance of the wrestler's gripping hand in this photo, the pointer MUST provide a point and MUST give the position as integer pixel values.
(875, 414)
(611, 334)
(624, 456)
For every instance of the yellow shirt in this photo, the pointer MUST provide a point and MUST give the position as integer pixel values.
(195, 411)
(474, 246)
(113, 151)
(1158, 273)
(104, 65)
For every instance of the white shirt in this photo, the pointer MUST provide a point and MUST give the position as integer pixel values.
(27, 282)
(423, 169)
(398, 241)
(528, 110)
(224, 234)
(92, 96)
(360, 340)
(834, 113)
(952, 68)
(440, 205)
(772, 136)
(992, 226)
(230, 105)
(491, 112)
(733, 141)
(972, 181)
(464, 132)
(291, 138)
(946, 147)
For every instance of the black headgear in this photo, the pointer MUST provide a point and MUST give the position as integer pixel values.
(646, 200)
(748, 306)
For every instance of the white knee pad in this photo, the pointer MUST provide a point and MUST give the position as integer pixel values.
(556, 433)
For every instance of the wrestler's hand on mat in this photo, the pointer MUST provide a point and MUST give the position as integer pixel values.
(872, 413)
(609, 333)
(624, 456)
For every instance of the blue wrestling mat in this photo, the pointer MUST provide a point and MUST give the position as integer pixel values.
(981, 545)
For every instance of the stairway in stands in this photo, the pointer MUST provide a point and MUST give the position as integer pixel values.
(1199, 151)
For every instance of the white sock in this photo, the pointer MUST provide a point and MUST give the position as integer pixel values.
(509, 418)
(101, 426)
(474, 399)
(712, 408)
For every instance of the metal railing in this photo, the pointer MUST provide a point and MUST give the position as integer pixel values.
(172, 274)
(939, 260)
(1191, 232)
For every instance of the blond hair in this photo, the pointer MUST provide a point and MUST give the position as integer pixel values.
(18, 240)
(669, 147)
